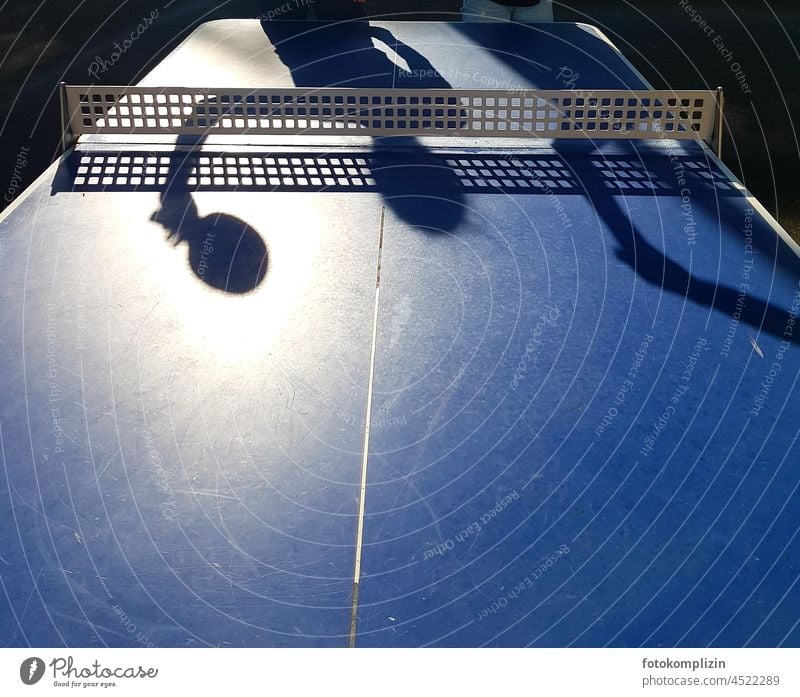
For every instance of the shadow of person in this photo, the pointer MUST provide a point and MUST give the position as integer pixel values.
(505, 45)
(223, 251)
(655, 267)
(414, 184)
(418, 187)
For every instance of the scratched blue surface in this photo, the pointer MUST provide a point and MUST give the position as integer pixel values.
(181, 463)
(504, 431)
(583, 426)
(573, 441)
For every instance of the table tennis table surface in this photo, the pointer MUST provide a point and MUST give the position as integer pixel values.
(566, 373)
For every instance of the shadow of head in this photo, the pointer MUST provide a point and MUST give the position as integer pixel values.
(420, 189)
(415, 184)
(224, 251)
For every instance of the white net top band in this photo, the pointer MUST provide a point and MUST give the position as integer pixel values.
(688, 114)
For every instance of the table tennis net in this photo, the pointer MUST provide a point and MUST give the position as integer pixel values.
(689, 114)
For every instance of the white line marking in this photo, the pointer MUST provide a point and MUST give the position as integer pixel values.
(365, 456)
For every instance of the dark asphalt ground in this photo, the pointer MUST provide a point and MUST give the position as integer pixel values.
(44, 43)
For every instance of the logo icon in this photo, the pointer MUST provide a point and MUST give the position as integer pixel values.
(31, 670)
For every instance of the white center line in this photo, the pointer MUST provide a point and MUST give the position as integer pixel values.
(365, 456)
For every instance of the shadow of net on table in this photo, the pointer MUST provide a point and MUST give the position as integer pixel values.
(721, 202)
(506, 46)
(223, 251)
(413, 182)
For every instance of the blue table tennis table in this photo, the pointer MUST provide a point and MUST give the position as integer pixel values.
(381, 392)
